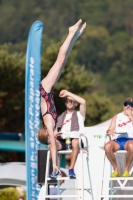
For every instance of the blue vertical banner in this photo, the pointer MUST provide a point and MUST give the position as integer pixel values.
(32, 106)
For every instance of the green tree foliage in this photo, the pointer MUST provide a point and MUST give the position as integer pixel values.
(49, 12)
(17, 16)
(92, 50)
(15, 21)
(10, 193)
(100, 108)
(11, 90)
(111, 56)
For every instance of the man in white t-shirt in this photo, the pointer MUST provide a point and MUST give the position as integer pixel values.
(122, 141)
(71, 121)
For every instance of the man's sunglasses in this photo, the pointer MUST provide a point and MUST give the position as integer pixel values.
(128, 104)
(70, 101)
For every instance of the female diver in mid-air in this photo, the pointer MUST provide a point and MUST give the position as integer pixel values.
(48, 109)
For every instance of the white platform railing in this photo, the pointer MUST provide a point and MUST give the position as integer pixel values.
(78, 190)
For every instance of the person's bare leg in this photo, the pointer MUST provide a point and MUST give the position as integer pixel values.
(129, 155)
(75, 151)
(53, 150)
(58, 147)
(54, 73)
(110, 148)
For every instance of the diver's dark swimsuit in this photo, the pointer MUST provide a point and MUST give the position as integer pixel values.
(49, 98)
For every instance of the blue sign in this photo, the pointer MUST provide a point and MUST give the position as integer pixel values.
(32, 106)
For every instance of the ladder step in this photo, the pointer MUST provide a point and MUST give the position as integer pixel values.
(122, 188)
(62, 178)
(74, 189)
(118, 178)
(58, 196)
(117, 196)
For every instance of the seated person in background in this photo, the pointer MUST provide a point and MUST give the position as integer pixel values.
(70, 121)
(123, 119)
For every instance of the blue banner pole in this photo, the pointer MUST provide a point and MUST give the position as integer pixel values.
(32, 107)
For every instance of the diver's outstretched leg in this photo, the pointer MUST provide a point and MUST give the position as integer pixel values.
(53, 75)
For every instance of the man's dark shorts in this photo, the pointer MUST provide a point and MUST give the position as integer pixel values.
(122, 141)
(63, 144)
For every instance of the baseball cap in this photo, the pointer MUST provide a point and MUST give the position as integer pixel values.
(129, 100)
